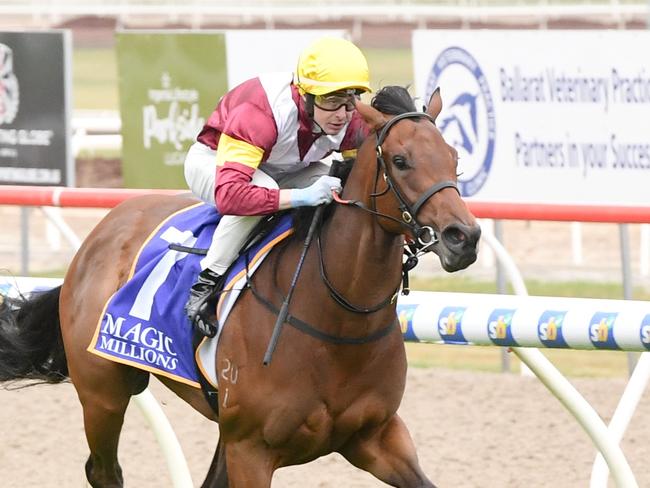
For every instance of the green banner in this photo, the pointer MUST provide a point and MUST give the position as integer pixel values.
(169, 83)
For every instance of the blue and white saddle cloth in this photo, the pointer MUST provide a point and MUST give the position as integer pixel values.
(143, 323)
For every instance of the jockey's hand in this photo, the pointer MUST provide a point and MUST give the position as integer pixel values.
(316, 194)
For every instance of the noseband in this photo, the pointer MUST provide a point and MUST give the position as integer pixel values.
(409, 212)
(409, 220)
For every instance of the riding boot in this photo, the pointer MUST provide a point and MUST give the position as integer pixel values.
(201, 303)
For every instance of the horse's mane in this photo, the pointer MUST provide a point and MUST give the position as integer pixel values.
(389, 100)
(393, 100)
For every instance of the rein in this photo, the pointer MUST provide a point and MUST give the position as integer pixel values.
(310, 330)
(409, 220)
(408, 212)
(340, 299)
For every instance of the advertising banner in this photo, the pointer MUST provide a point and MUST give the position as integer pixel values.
(543, 116)
(251, 52)
(35, 108)
(171, 81)
(168, 84)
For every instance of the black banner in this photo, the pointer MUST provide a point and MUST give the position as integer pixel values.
(35, 108)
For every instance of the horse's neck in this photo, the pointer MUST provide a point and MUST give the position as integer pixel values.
(362, 259)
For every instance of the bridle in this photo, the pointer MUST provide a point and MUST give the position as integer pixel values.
(409, 213)
(408, 219)
(425, 236)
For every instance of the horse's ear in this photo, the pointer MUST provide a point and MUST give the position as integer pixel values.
(435, 104)
(373, 117)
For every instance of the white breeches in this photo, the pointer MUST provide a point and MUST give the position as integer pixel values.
(200, 169)
(230, 234)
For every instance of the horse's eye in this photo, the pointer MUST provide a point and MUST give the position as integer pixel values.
(400, 162)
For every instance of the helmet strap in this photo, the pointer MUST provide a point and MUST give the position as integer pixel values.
(309, 107)
(309, 104)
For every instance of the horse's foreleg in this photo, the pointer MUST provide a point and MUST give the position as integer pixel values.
(249, 465)
(388, 453)
(217, 476)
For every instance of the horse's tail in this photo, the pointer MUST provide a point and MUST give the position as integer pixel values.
(31, 346)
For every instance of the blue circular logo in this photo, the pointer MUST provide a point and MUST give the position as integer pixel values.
(601, 330)
(549, 328)
(450, 325)
(645, 332)
(499, 327)
(468, 122)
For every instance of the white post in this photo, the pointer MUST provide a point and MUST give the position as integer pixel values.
(52, 233)
(150, 408)
(513, 274)
(622, 416)
(56, 220)
(486, 253)
(564, 391)
(176, 463)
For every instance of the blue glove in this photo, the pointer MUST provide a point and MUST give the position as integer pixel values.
(316, 194)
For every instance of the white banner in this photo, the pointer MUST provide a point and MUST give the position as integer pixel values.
(251, 52)
(543, 116)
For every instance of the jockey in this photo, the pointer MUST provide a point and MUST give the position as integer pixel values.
(267, 137)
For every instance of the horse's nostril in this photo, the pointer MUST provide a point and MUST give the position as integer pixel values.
(459, 237)
(453, 236)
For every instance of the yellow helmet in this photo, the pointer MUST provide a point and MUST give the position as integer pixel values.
(330, 64)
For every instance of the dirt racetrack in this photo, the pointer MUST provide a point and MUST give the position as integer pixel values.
(471, 430)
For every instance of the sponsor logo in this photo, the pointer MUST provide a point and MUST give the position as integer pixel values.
(171, 119)
(134, 341)
(549, 328)
(9, 95)
(601, 330)
(645, 332)
(405, 316)
(450, 325)
(468, 122)
(499, 327)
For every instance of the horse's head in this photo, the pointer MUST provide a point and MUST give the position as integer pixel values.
(417, 178)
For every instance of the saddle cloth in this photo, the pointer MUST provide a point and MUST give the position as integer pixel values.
(143, 324)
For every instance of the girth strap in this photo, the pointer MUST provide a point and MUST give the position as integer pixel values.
(318, 334)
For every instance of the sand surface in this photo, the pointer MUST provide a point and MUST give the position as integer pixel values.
(471, 430)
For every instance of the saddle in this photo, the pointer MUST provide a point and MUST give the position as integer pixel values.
(143, 324)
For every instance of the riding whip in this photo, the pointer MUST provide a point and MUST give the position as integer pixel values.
(284, 311)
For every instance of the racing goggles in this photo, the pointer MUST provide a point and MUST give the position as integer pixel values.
(331, 102)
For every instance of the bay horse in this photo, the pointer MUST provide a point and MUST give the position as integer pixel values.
(334, 389)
